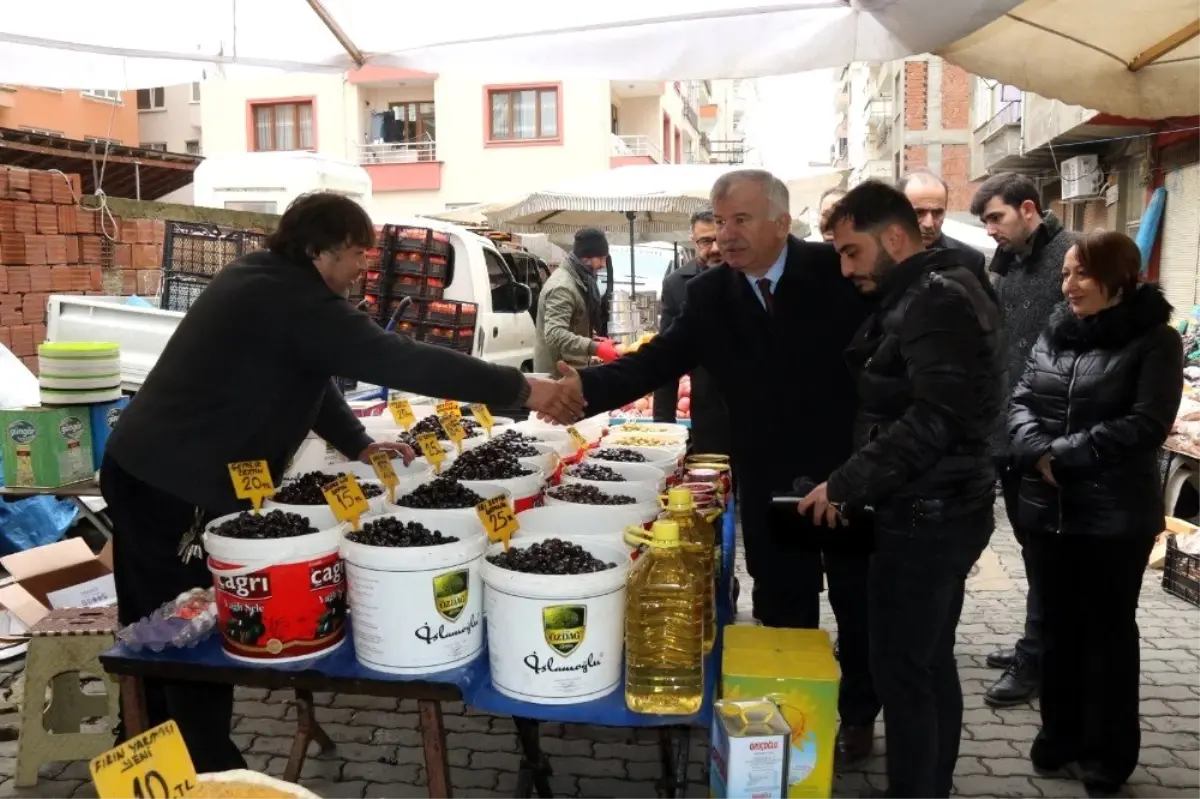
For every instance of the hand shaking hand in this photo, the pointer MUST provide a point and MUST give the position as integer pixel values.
(558, 401)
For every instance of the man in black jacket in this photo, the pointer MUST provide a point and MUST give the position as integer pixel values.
(770, 327)
(930, 197)
(930, 382)
(710, 419)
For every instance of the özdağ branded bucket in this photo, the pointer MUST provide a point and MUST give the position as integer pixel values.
(556, 639)
(643, 512)
(322, 515)
(525, 491)
(281, 599)
(418, 610)
(564, 519)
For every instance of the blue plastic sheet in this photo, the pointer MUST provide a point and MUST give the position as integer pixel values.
(33, 522)
(474, 680)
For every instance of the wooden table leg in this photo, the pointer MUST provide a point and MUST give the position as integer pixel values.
(307, 730)
(433, 738)
(135, 717)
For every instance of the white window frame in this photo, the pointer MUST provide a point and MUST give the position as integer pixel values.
(195, 89)
(157, 146)
(104, 95)
(159, 92)
(102, 140)
(189, 149)
(42, 132)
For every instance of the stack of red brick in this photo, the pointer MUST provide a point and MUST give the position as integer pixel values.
(51, 245)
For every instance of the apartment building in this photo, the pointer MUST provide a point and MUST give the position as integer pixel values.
(722, 120)
(94, 115)
(431, 142)
(902, 116)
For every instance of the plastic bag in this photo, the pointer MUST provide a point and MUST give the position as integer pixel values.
(18, 385)
(34, 522)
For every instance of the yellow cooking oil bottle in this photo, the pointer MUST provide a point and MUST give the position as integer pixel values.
(664, 628)
(697, 536)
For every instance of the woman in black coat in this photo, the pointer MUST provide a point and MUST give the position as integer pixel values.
(1098, 397)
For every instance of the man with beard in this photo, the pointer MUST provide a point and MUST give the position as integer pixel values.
(930, 380)
(770, 326)
(1028, 264)
(930, 196)
(570, 311)
(710, 420)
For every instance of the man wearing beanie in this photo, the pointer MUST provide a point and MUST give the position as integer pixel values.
(570, 316)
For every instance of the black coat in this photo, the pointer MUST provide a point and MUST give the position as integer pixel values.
(1099, 395)
(930, 389)
(710, 418)
(973, 259)
(783, 377)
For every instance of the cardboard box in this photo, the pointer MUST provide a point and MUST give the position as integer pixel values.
(749, 751)
(797, 671)
(46, 447)
(104, 419)
(64, 574)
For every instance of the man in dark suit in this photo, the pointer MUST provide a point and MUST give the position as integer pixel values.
(770, 327)
(930, 196)
(710, 419)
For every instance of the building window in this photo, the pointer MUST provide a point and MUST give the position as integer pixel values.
(192, 147)
(102, 140)
(154, 145)
(283, 126)
(102, 94)
(43, 132)
(152, 99)
(613, 118)
(196, 92)
(411, 123)
(524, 114)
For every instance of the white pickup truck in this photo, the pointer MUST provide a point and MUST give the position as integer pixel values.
(504, 329)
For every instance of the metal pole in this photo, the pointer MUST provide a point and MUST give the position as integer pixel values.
(137, 181)
(632, 216)
(674, 256)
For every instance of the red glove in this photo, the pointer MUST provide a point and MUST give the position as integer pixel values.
(606, 351)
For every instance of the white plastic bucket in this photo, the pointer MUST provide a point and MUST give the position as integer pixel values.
(523, 491)
(418, 610)
(485, 490)
(645, 511)
(296, 586)
(471, 442)
(385, 422)
(322, 515)
(664, 460)
(564, 519)
(414, 474)
(585, 661)
(648, 428)
(547, 459)
(637, 475)
(630, 440)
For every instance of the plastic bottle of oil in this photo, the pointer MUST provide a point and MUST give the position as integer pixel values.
(697, 537)
(664, 629)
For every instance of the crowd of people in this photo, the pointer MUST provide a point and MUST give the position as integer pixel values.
(906, 378)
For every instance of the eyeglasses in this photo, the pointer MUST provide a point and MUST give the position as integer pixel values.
(705, 242)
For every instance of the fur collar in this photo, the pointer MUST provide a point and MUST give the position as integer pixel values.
(1114, 327)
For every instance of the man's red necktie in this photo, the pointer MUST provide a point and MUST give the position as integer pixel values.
(764, 286)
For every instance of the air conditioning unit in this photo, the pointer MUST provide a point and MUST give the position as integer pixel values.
(1082, 178)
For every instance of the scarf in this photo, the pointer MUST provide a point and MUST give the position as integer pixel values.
(585, 277)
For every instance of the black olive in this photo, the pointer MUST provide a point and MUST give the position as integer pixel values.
(442, 493)
(275, 524)
(618, 454)
(487, 463)
(307, 489)
(432, 424)
(392, 532)
(594, 471)
(588, 495)
(550, 556)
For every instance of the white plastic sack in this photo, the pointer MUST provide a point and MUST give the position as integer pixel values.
(18, 385)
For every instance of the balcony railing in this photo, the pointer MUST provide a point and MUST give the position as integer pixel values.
(689, 113)
(635, 145)
(1008, 115)
(879, 116)
(727, 151)
(397, 152)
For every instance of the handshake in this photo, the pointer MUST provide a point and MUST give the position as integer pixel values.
(559, 401)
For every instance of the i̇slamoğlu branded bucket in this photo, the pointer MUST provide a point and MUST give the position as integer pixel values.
(278, 600)
(418, 610)
(556, 639)
(525, 491)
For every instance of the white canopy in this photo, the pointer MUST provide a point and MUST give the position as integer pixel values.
(126, 44)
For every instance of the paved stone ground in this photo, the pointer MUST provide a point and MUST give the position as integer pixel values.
(379, 755)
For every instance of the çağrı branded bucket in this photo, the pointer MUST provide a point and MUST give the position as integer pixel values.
(524, 491)
(418, 610)
(556, 639)
(278, 600)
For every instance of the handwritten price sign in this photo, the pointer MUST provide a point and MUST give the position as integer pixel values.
(402, 413)
(577, 438)
(153, 765)
(252, 481)
(381, 462)
(484, 417)
(346, 499)
(498, 519)
(454, 430)
(448, 408)
(431, 448)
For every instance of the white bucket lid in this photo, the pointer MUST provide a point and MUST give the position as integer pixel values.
(471, 543)
(560, 586)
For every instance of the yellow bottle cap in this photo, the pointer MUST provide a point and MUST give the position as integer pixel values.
(665, 533)
(680, 499)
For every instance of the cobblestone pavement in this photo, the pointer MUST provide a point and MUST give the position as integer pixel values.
(379, 755)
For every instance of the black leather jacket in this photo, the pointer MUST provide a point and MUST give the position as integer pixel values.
(1099, 395)
(930, 388)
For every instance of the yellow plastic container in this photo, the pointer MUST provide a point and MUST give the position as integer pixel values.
(664, 629)
(796, 670)
(697, 537)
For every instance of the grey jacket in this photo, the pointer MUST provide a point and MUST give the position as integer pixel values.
(1028, 288)
(564, 329)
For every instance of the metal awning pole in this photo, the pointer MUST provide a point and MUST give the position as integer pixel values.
(355, 54)
(137, 181)
(632, 217)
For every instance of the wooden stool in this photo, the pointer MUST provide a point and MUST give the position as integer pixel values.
(65, 645)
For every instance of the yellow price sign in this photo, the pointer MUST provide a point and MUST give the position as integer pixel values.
(346, 499)
(577, 438)
(381, 462)
(454, 430)
(252, 481)
(448, 408)
(402, 413)
(484, 417)
(431, 448)
(499, 519)
(153, 765)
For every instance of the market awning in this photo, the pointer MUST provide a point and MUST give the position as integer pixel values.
(132, 172)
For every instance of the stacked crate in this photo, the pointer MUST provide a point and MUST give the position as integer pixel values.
(193, 252)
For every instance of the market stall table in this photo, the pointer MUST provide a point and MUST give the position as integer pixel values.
(82, 496)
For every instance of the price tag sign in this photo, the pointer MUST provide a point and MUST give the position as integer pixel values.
(498, 519)
(345, 496)
(448, 408)
(381, 462)
(577, 438)
(252, 481)
(402, 413)
(154, 764)
(484, 417)
(454, 430)
(431, 448)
